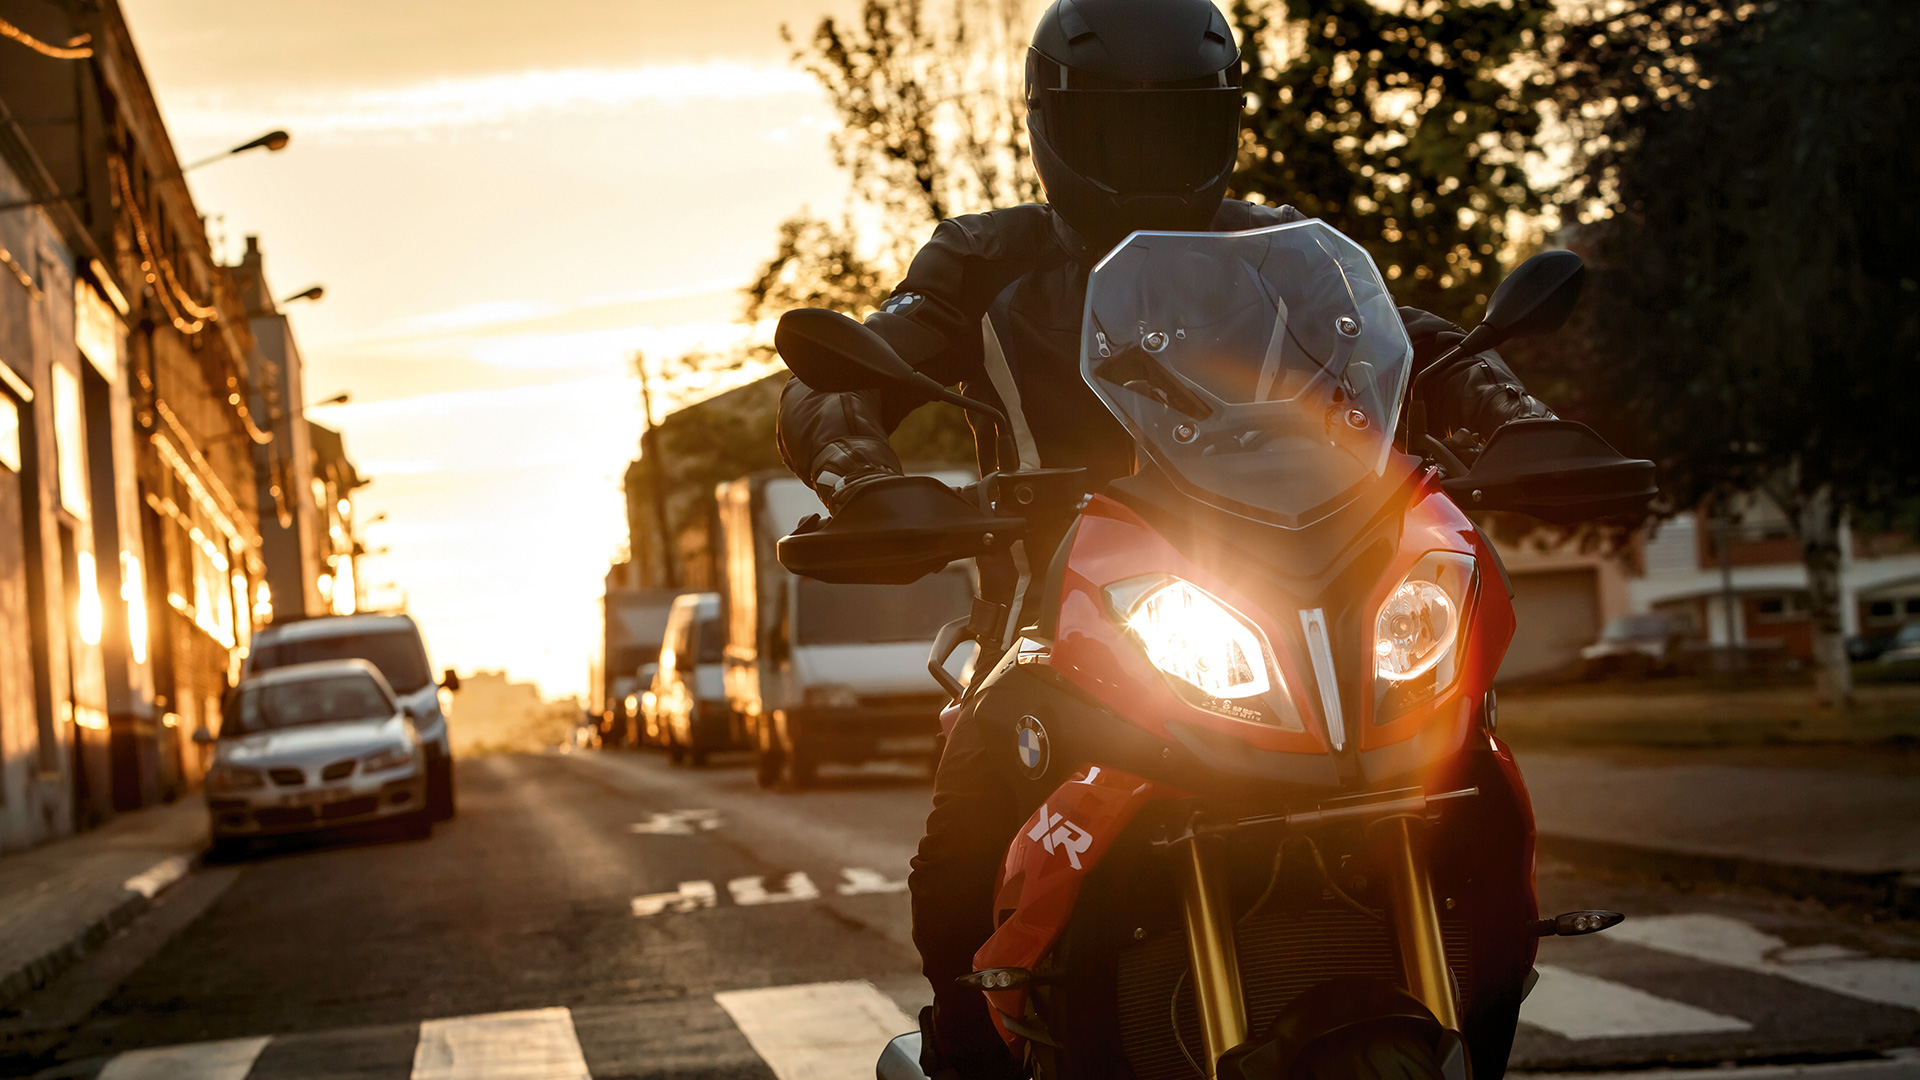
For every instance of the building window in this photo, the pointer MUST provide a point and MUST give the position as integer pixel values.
(9, 433)
(70, 441)
(204, 572)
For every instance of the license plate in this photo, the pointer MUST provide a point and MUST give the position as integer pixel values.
(907, 744)
(306, 798)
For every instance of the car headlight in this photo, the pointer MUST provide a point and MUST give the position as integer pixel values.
(393, 757)
(229, 778)
(831, 696)
(1416, 634)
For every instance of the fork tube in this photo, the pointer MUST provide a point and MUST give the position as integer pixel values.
(1416, 922)
(1211, 949)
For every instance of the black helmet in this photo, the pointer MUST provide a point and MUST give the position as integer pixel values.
(1134, 114)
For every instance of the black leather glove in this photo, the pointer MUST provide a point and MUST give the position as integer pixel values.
(1478, 393)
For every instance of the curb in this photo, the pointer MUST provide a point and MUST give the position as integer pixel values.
(1893, 892)
(141, 889)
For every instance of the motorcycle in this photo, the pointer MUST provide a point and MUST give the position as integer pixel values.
(1246, 690)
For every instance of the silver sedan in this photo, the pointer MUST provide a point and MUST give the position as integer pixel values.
(314, 746)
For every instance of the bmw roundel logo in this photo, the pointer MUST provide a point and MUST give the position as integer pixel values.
(1032, 745)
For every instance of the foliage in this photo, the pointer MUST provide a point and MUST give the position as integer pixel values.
(1754, 320)
(1405, 126)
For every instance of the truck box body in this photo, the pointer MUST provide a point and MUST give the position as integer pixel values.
(826, 672)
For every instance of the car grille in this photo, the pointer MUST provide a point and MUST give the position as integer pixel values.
(347, 808)
(337, 770)
(287, 777)
(1283, 953)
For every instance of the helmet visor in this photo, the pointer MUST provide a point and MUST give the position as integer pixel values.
(1144, 142)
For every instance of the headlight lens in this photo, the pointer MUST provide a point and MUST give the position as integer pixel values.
(227, 778)
(1416, 628)
(393, 757)
(1197, 639)
(1417, 632)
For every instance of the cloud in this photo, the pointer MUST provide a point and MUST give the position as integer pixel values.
(475, 102)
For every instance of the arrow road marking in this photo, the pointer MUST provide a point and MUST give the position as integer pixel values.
(752, 891)
(862, 881)
(692, 896)
(677, 823)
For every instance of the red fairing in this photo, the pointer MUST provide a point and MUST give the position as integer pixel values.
(1052, 854)
(1112, 545)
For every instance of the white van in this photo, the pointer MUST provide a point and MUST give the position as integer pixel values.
(391, 643)
(690, 696)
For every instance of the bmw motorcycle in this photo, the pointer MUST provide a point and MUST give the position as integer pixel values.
(1249, 688)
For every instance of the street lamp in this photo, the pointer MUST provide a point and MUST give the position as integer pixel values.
(311, 292)
(272, 141)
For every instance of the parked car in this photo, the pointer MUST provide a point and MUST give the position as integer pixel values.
(392, 644)
(1905, 646)
(690, 698)
(1867, 647)
(1650, 644)
(314, 746)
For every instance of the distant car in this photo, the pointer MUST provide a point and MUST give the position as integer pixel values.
(314, 746)
(690, 695)
(1865, 648)
(647, 717)
(1636, 645)
(1905, 646)
(391, 643)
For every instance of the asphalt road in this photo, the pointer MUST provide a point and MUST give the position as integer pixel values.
(606, 915)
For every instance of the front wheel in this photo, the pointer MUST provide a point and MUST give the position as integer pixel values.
(1377, 1051)
(440, 801)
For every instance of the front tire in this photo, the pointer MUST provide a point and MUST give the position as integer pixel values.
(1382, 1051)
(440, 799)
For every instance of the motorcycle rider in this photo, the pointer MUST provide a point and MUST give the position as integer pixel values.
(1134, 109)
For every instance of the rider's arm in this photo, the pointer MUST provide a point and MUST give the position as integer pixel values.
(1478, 396)
(933, 321)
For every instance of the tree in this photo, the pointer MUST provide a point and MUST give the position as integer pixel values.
(1754, 319)
(1406, 126)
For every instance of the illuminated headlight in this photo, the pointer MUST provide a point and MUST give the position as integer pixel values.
(1417, 632)
(1416, 629)
(228, 778)
(1188, 634)
(393, 757)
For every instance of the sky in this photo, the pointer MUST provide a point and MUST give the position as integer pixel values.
(503, 202)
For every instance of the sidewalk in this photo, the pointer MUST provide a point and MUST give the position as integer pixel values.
(1839, 824)
(62, 899)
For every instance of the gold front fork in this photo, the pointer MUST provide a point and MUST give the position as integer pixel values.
(1416, 921)
(1211, 948)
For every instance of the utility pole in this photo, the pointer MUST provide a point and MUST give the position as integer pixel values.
(657, 476)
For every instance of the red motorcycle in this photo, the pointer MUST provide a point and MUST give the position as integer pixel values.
(1249, 688)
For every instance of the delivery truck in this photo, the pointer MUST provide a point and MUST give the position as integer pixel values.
(823, 673)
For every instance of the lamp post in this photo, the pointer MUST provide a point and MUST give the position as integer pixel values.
(272, 142)
(311, 292)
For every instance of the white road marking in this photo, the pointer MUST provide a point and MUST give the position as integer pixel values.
(820, 1031)
(157, 878)
(751, 891)
(1718, 939)
(532, 1044)
(1901, 1065)
(692, 896)
(1576, 1006)
(862, 881)
(228, 1059)
(677, 823)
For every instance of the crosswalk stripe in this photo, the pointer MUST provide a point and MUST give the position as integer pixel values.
(228, 1059)
(1576, 1006)
(817, 1031)
(1718, 939)
(531, 1044)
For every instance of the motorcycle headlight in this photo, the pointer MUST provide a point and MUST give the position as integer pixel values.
(1416, 634)
(1217, 659)
(229, 778)
(393, 757)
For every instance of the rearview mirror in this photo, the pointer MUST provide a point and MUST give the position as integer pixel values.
(837, 354)
(202, 737)
(1535, 299)
(450, 679)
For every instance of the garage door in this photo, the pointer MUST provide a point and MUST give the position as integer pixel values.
(1557, 612)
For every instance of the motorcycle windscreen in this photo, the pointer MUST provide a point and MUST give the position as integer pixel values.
(1262, 370)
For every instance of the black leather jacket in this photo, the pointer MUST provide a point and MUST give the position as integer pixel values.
(993, 304)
